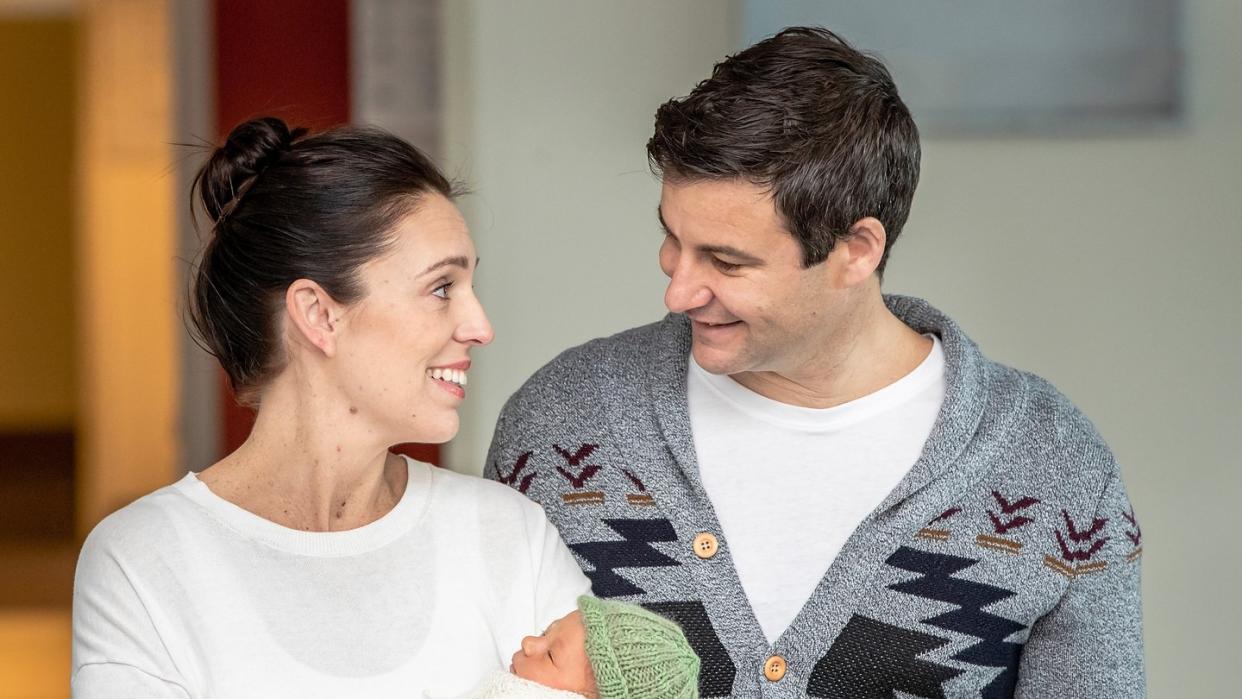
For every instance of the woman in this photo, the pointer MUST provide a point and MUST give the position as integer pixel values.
(336, 293)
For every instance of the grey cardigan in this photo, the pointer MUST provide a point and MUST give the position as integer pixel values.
(1005, 563)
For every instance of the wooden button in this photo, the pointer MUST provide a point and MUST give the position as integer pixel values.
(774, 668)
(705, 545)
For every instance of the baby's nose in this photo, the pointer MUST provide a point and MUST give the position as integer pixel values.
(528, 645)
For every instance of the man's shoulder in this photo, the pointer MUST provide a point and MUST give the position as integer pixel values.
(1019, 406)
(585, 394)
(1052, 431)
(595, 365)
(602, 353)
(1058, 418)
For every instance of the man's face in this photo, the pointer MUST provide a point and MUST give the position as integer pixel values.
(737, 272)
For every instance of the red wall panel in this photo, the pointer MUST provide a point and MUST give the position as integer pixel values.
(289, 59)
(286, 58)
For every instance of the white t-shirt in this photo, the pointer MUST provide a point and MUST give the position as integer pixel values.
(183, 594)
(790, 484)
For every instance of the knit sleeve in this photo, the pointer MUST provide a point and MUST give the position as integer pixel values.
(516, 429)
(117, 650)
(1091, 643)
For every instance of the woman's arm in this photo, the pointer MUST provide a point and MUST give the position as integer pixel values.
(559, 580)
(117, 649)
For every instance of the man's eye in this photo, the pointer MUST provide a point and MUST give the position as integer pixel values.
(725, 266)
(442, 290)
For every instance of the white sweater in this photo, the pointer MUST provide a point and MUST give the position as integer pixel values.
(183, 594)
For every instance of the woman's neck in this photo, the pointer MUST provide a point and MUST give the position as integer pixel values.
(310, 463)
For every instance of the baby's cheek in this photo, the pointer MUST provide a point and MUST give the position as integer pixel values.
(572, 675)
(587, 684)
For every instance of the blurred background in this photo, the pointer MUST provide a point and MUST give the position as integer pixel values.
(1089, 235)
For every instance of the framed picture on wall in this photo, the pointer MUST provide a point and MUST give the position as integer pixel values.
(979, 67)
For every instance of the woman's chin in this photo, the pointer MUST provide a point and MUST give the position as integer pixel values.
(438, 433)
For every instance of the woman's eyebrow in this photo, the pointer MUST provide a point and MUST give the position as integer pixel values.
(452, 261)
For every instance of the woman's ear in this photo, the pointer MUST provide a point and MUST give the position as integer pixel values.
(314, 316)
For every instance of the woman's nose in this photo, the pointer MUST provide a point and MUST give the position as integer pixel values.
(476, 329)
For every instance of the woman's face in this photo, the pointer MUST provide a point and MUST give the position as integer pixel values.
(558, 658)
(405, 350)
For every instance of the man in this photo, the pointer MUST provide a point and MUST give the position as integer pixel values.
(831, 490)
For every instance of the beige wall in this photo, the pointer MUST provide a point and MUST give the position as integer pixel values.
(548, 105)
(1109, 265)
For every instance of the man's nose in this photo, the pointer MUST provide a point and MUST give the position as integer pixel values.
(686, 291)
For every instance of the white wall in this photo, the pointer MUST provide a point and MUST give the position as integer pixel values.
(548, 106)
(1111, 266)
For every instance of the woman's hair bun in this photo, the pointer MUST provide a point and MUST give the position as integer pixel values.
(288, 205)
(251, 148)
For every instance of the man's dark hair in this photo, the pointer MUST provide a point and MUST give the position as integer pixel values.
(288, 205)
(809, 117)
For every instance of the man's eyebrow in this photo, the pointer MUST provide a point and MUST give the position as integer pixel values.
(660, 218)
(731, 252)
(744, 258)
(453, 261)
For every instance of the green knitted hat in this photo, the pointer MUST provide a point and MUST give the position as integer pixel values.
(637, 654)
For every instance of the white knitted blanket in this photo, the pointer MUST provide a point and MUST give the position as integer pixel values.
(504, 685)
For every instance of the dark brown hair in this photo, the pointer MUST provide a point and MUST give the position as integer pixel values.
(286, 205)
(810, 118)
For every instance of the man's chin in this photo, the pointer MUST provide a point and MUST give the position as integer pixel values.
(716, 361)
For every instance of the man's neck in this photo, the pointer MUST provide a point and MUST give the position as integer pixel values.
(877, 352)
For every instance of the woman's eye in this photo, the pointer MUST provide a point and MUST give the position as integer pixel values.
(442, 290)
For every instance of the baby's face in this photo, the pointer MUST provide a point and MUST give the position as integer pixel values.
(558, 658)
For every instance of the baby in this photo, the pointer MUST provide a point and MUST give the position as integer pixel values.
(604, 650)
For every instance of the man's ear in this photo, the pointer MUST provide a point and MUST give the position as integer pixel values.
(861, 251)
(314, 316)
